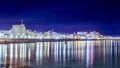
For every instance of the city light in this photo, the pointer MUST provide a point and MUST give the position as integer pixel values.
(20, 32)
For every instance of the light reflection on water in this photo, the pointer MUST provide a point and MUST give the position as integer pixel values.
(70, 54)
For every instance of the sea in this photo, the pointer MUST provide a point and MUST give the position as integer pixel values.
(61, 54)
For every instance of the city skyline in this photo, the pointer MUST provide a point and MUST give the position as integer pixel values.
(20, 32)
(63, 28)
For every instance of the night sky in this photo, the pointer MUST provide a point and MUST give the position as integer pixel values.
(62, 15)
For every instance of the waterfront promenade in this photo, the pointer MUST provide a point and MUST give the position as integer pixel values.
(45, 40)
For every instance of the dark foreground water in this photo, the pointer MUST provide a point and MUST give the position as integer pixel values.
(66, 54)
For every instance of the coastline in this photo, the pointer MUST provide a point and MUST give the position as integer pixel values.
(2, 41)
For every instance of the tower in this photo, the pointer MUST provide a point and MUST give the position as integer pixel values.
(21, 21)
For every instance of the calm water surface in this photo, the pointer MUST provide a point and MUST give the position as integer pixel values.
(65, 54)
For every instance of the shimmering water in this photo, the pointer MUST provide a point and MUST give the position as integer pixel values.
(65, 54)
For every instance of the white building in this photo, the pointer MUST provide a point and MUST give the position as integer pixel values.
(1, 34)
(20, 31)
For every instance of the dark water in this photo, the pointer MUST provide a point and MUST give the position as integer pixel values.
(66, 54)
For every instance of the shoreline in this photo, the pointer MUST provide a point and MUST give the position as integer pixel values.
(46, 40)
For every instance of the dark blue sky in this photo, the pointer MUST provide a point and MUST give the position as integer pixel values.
(62, 16)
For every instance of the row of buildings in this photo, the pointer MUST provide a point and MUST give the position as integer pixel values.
(20, 31)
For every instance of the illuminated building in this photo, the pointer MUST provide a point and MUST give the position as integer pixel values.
(20, 31)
